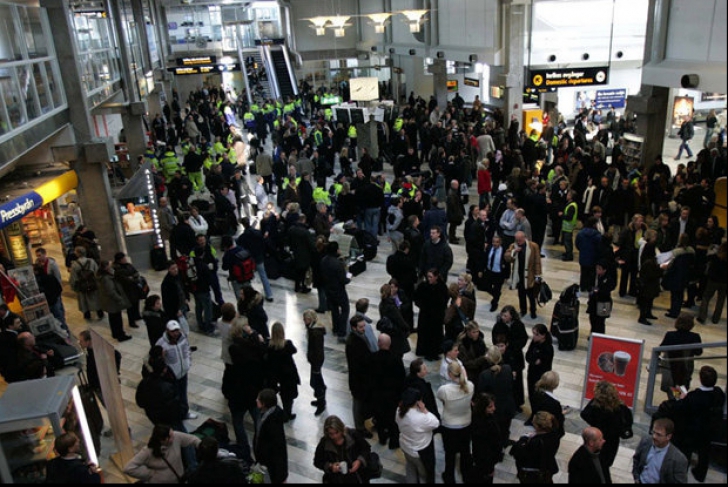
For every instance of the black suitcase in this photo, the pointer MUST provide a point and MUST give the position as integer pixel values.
(367, 243)
(565, 320)
(159, 258)
(565, 327)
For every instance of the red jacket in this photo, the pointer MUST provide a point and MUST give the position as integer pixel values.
(484, 182)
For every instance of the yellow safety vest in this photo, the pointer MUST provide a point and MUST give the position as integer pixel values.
(352, 131)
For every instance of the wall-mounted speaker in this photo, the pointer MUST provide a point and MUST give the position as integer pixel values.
(619, 54)
(374, 48)
(552, 58)
(412, 52)
(585, 56)
(690, 81)
(473, 58)
(391, 50)
(440, 54)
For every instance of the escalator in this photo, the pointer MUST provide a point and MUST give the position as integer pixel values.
(283, 73)
(256, 71)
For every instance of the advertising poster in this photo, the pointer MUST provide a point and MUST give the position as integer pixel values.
(681, 109)
(617, 360)
(136, 216)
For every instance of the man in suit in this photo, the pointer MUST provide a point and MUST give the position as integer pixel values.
(525, 260)
(359, 362)
(586, 465)
(494, 271)
(683, 224)
(656, 460)
(335, 278)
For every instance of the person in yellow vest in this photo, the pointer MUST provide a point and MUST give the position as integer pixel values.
(320, 195)
(254, 108)
(328, 114)
(151, 157)
(291, 177)
(249, 121)
(398, 124)
(169, 163)
(352, 141)
(218, 147)
(568, 223)
(318, 136)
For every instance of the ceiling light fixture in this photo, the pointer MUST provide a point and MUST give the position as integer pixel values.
(319, 24)
(380, 20)
(414, 17)
(339, 23)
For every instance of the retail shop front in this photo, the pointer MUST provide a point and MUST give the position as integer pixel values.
(46, 216)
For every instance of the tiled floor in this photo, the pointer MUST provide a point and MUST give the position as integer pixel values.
(305, 431)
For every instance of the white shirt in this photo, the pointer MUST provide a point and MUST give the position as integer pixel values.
(134, 222)
(415, 430)
(198, 224)
(445, 364)
(456, 410)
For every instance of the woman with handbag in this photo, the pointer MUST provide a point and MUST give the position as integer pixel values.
(607, 412)
(535, 454)
(599, 306)
(343, 454)
(160, 462)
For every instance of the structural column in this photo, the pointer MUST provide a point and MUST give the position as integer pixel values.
(650, 104)
(94, 191)
(515, 29)
(438, 68)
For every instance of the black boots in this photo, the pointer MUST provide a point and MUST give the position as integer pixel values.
(320, 404)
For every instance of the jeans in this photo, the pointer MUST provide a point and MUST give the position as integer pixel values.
(260, 267)
(371, 220)
(203, 303)
(215, 285)
(339, 314)
(59, 313)
(241, 436)
(684, 145)
(181, 385)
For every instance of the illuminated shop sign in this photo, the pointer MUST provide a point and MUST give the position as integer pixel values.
(452, 85)
(474, 82)
(567, 77)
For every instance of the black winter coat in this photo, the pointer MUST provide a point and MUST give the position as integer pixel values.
(269, 445)
(355, 447)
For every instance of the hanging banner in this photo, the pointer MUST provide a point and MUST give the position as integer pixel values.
(567, 77)
(611, 98)
(616, 360)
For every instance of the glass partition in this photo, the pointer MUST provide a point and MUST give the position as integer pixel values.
(30, 85)
(97, 54)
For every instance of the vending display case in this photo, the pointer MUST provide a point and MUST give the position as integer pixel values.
(32, 415)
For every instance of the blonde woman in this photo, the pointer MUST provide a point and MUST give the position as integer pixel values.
(544, 400)
(607, 412)
(455, 396)
(281, 368)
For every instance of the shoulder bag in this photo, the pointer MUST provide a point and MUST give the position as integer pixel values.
(604, 309)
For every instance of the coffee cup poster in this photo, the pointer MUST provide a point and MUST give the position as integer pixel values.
(617, 360)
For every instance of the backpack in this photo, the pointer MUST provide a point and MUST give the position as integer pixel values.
(86, 280)
(243, 268)
(544, 294)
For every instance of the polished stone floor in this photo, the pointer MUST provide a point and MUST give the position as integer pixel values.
(304, 432)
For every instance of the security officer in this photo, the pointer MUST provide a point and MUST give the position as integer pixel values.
(352, 141)
(169, 163)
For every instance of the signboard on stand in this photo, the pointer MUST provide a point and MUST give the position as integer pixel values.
(616, 360)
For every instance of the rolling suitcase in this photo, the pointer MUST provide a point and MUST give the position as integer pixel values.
(565, 318)
(159, 258)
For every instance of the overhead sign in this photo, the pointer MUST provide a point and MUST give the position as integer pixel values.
(218, 68)
(196, 60)
(611, 98)
(474, 82)
(567, 77)
(616, 360)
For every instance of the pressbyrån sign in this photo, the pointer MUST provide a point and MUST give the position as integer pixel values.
(19, 207)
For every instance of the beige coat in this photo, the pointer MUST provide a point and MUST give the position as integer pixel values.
(152, 470)
(533, 264)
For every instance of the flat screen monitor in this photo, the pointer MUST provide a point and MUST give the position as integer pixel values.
(136, 216)
(357, 115)
(342, 115)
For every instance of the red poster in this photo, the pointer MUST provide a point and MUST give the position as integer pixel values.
(617, 360)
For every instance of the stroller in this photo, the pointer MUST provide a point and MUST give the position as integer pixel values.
(565, 318)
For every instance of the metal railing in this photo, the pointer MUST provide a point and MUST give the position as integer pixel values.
(654, 366)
